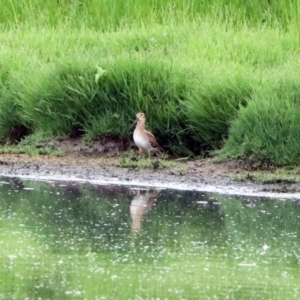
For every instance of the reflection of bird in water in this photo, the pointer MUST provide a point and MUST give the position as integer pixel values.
(140, 204)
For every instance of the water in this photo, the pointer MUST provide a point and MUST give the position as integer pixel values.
(64, 240)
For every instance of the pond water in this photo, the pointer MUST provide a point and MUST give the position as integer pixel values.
(66, 240)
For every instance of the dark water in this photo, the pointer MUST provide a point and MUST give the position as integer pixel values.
(64, 240)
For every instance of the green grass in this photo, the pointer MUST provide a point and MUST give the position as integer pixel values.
(268, 129)
(106, 15)
(273, 174)
(131, 160)
(29, 149)
(34, 144)
(267, 178)
(204, 74)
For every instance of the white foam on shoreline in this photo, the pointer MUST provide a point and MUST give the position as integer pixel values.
(226, 190)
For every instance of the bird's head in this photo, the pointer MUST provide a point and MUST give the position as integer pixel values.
(140, 118)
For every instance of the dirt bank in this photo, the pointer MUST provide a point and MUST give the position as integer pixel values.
(197, 174)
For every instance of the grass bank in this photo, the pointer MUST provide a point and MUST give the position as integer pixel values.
(222, 76)
(112, 15)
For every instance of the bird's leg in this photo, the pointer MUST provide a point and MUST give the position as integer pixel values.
(140, 153)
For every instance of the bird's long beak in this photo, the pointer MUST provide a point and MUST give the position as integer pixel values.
(134, 123)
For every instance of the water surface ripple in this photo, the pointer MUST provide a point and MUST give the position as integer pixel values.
(71, 240)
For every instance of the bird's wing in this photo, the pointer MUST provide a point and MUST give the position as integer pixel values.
(151, 138)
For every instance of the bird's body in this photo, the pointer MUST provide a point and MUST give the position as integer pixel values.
(143, 138)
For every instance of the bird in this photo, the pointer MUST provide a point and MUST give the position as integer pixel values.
(143, 138)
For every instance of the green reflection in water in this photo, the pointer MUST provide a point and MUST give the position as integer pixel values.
(63, 240)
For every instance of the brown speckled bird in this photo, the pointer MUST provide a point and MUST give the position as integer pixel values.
(143, 138)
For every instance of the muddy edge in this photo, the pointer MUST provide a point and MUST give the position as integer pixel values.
(195, 174)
